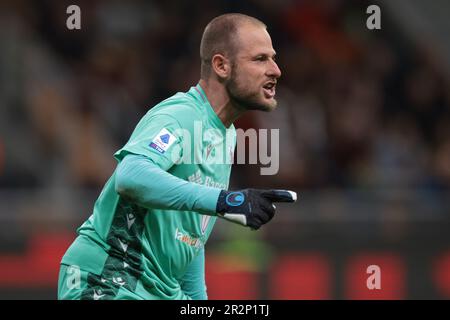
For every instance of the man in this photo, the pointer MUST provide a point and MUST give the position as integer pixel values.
(146, 236)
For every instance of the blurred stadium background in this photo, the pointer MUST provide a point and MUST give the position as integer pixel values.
(365, 140)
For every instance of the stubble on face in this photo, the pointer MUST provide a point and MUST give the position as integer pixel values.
(242, 95)
(241, 86)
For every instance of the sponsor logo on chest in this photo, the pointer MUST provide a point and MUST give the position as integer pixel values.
(187, 239)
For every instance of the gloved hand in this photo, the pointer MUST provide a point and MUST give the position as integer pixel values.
(251, 207)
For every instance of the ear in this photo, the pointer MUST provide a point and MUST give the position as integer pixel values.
(221, 66)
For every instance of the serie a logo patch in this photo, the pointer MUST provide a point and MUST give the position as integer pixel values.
(163, 140)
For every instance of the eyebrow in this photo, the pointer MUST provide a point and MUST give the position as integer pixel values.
(273, 55)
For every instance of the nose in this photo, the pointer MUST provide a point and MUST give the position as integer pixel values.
(274, 70)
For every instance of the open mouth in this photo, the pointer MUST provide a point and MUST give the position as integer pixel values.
(269, 90)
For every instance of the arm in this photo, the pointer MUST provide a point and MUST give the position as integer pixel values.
(193, 282)
(139, 179)
(142, 178)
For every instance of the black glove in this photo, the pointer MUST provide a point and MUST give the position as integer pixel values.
(251, 207)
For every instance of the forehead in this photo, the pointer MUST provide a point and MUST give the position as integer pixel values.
(254, 40)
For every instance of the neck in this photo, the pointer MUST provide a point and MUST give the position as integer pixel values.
(220, 102)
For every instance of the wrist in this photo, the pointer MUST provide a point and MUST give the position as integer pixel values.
(207, 199)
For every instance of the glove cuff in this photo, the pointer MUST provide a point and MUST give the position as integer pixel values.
(221, 206)
(230, 201)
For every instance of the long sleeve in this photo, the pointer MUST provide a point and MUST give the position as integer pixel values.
(140, 180)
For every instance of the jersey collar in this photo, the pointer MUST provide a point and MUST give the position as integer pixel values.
(200, 95)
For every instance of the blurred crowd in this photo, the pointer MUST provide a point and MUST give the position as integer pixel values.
(358, 108)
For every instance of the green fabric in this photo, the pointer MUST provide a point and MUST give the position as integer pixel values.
(145, 249)
(78, 284)
(137, 177)
(193, 281)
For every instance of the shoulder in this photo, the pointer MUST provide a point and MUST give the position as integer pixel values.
(181, 107)
(180, 104)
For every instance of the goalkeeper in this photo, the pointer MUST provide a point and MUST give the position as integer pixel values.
(146, 236)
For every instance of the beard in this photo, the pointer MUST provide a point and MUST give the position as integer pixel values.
(246, 99)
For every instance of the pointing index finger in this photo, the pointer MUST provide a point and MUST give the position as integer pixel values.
(281, 195)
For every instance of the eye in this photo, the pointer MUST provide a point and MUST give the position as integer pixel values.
(261, 58)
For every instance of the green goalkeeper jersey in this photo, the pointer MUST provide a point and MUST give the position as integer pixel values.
(147, 250)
